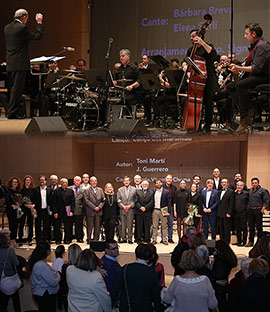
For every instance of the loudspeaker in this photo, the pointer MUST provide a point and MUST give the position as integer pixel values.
(211, 244)
(97, 245)
(128, 127)
(46, 126)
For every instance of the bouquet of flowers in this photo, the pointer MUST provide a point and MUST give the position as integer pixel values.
(18, 201)
(192, 211)
(26, 200)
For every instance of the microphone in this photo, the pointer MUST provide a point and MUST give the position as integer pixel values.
(109, 48)
(70, 49)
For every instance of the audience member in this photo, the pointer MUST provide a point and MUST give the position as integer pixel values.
(59, 261)
(191, 291)
(158, 267)
(137, 286)
(87, 290)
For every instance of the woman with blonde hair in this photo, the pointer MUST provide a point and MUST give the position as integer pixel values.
(110, 211)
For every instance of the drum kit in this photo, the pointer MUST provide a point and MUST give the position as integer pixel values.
(79, 105)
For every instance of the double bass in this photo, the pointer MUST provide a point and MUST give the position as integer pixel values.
(194, 99)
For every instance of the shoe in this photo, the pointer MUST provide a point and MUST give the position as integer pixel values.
(244, 124)
(250, 244)
(121, 241)
(67, 242)
(138, 241)
(165, 243)
(30, 243)
(154, 242)
(58, 242)
(161, 241)
(240, 244)
(20, 244)
(79, 240)
(236, 244)
(207, 129)
(171, 241)
(130, 242)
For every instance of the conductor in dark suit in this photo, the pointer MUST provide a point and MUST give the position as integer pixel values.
(143, 205)
(17, 36)
(63, 210)
(209, 205)
(224, 210)
(94, 201)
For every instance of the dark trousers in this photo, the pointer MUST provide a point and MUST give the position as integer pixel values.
(209, 218)
(93, 222)
(197, 224)
(143, 227)
(42, 225)
(254, 219)
(109, 225)
(78, 220)
(208, 100)
(241, 226)
(170, 225)
(239, 91)
(27, 216)
(16, 86)
(68, 223)
(46, 302)
(4, 299)
(224, 225)
(12, 222)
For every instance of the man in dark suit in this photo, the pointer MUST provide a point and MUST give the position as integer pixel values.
(63, 209)
(209, 202)
(216, 179)
(78, 209)
(197, 180)
(224, 210)
(162, 199)
(17, 36)
(44, 210)
(94, 201)
(143, 210)
(171, 188)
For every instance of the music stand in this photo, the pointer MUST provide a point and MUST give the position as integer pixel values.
(162, 62)
(150, 81)
(174, 77)
(202, 75)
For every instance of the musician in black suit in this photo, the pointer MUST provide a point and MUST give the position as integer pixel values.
(143, 210)
(63, 209)
(217, 179)
(17, 36)
(44, 210)
(224, 210)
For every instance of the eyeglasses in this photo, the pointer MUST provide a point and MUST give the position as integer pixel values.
(114, 248)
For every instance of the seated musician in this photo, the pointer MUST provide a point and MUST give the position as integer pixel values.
(257, 68)
(144, 65)
(81, 65)
(221, 96)
(175, 63)
(166, 103)
(208, 52)
(127, 76)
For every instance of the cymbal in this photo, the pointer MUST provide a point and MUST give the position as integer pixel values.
(72, 77)
(124, 80)
(70, 70)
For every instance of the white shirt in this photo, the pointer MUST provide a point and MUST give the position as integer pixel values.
(222, 193)
(208, 195)
(85, 187)
(43, 194)
(216, 182)
(158, 198)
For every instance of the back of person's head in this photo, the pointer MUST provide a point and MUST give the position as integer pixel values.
(59, 251)
(199, 239)
(203, 252)
(87, 260)
(189, 229)
(73, 252)
(191, 261)
(154, 256)
(41, 252)
(143, 251)
(262, 247)
(258, 266)
(109, 242)
(245, 266)
(4, 242)
(225, 253)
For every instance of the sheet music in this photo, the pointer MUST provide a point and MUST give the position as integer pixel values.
(47, 58)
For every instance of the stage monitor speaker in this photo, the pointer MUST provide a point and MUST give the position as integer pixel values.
(97, 245)
(211, 244)
(128, 127)
(46, 126)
